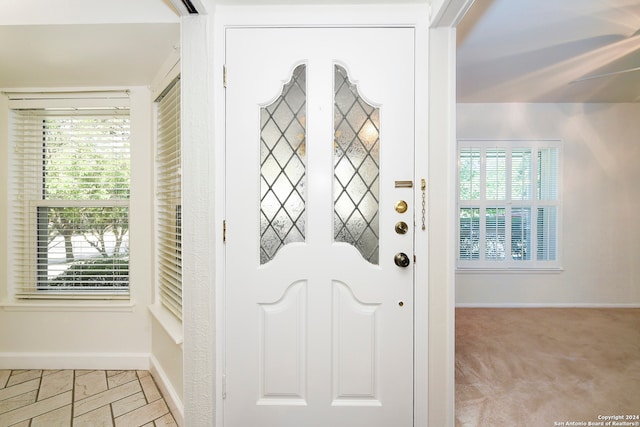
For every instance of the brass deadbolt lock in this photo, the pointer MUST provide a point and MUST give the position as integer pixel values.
(401, 206)
(402, 227)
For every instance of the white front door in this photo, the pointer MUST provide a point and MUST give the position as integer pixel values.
(319, 227)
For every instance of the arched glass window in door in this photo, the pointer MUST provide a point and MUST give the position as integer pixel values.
(356, 168)
(282, 167)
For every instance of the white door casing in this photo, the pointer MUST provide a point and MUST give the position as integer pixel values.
(318, 335)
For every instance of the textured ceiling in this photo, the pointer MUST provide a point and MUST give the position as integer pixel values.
(84, 55)
(508, 50)
(547, 51)
(84, 43)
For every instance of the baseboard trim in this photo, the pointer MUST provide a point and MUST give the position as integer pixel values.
(168, 391)
(545, 305)
(108, 361)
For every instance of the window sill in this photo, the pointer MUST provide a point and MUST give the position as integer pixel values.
(507, 270)
(168, 322)
(70, 306)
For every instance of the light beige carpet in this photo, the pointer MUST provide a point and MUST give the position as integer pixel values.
(546, 366)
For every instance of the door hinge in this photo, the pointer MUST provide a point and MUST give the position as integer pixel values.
(224, 386)
(224, 76)
(224, 231)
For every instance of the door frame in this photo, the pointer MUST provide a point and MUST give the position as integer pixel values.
(410, 15)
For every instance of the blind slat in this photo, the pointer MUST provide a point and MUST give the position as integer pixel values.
(168, 200)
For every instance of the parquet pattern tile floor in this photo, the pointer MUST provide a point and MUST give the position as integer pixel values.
(81, 398)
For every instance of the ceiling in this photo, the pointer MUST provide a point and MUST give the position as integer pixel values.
(85, 43)
(508, 50)
(539, 50)
(94, 55)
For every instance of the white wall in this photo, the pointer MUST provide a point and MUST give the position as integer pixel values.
(441, 227)
(97, 335)
(86, 335)
(601, 203)
(201, 225)
(167, 367)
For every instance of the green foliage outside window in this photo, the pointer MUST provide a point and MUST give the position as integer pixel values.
(86, 172)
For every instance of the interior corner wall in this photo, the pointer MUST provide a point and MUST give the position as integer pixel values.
(198, 228)
(600, 234)
(441, 206)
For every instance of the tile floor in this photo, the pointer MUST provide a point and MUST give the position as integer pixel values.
(32, 398)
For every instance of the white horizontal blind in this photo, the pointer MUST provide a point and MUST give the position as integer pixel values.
(508, 204)
(548, 194)
(70, 175)
(169, 200)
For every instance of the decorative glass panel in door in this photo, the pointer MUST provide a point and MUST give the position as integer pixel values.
(282, 167)
(356, 168)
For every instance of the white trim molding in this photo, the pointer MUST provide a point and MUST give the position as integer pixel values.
(400, 15)
(547, 305)
(434, 399)
(168, 322)
(99, 361)
(70, 306)
(170, 395)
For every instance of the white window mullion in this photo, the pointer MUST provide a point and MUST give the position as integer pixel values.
(508, 232)
(482, 204)
(535, 203)
(508, 205)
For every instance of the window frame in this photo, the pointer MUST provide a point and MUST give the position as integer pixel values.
(509, 204)
(24, 204)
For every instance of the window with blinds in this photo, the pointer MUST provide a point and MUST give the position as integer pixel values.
(169, 200)
(70, 202)
(508, 204)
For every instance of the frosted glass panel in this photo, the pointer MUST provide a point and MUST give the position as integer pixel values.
(356, 168)
(282, 168)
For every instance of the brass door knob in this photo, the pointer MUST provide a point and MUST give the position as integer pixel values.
(401, 259)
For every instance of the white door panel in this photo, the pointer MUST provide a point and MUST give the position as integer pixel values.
(318, 317)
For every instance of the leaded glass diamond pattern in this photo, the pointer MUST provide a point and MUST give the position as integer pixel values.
(356, 168)
(282, 168)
